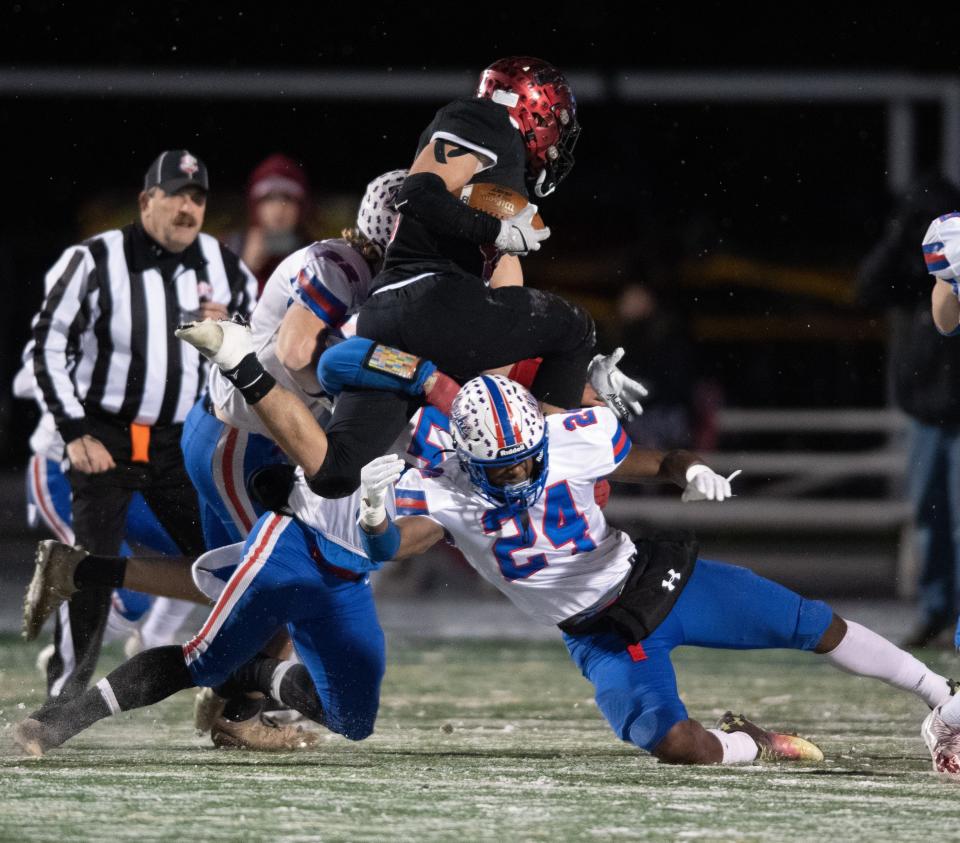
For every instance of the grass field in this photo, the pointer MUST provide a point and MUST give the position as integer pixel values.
(491, 741)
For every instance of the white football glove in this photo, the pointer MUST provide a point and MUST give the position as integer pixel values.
(704, 484)
(941, 249)
(224, 342)
(620, 393)
(375, 478)
(518, 236)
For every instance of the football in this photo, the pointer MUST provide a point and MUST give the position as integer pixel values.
(499, 201)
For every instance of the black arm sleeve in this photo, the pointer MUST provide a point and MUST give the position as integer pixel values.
(424, 196)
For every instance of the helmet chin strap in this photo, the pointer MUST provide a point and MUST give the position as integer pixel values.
(538, 187)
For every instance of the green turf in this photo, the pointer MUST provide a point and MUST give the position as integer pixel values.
(495, 741)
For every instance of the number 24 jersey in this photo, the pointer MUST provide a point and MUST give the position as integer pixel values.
(563, 557)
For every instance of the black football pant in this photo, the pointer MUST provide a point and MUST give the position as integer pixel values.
(99, 505)
(465, 328)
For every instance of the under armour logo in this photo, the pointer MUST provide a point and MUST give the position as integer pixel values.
(669, 583)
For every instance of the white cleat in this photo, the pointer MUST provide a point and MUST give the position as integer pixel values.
(943, 741)
(52, 583)
(134, 644)
(207, 709)
(43, 658)
(223, 342)
(31, 737)
(259, 734)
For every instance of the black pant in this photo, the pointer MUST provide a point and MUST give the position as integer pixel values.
(100, 503)
(465, 328)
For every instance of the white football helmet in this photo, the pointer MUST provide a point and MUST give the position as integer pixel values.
(496, 422)
(377, 216)
(941, 247)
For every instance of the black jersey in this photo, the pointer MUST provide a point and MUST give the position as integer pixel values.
(484, 128)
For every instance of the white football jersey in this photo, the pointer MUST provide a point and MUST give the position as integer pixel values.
(334, 524)
(566, 558)
(332, 280)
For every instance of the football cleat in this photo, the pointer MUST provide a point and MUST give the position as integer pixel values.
(31, 736)
(223, 342)
(260, 734)
(282, 715)
(52, 583)
(207, 709)
(943, 741)
(133, 644)
(773, 746)
(43, 658)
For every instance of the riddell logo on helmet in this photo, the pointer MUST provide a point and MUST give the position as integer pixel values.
(511, 449)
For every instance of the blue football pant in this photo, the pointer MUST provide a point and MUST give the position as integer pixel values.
(723, 606)
(219, 460)
(283, 580)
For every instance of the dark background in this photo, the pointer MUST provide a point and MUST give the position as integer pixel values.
(659, 193)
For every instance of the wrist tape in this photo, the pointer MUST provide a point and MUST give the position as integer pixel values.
(250, 378)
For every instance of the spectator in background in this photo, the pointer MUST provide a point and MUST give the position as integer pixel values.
(278, 196)
(925, 375)
(659, 354)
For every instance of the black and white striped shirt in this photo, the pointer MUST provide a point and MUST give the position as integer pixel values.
(103, 339)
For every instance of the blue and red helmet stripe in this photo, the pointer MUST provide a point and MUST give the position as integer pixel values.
(501, 416)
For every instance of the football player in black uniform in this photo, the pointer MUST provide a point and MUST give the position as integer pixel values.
(432, 299)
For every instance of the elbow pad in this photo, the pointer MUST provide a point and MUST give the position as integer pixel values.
(359, 363)
(424, 196)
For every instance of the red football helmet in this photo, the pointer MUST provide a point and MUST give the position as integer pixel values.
(544, 110)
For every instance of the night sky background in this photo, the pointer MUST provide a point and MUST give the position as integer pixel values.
(657, 193)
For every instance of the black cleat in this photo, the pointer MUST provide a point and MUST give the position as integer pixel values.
(773, 746)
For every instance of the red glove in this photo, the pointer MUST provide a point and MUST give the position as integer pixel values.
(601, 492)
(525, 371)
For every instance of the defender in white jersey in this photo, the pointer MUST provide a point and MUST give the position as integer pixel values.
(308, 297)
(516, 500)
(941, 254)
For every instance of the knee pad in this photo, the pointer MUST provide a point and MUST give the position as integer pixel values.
(642, 725)
(331, 485)
(812, 621)
(270, 486)
(336, 478)
(360, 363)
(651, 727)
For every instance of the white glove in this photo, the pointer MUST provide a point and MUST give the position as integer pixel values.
(518, 236)
(375, 478)
(941, 249)
(620, 393)
(704, 484)
(224, 342)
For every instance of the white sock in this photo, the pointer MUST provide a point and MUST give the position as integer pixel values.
(950, 712)
(865, 653)
(117, 626)
(738, 747)
(164, 620)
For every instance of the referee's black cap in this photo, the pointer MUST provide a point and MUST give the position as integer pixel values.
(176, 169)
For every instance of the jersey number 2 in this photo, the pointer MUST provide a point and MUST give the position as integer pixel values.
(563, 524)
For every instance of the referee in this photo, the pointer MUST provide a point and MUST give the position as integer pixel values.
(119, 384)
